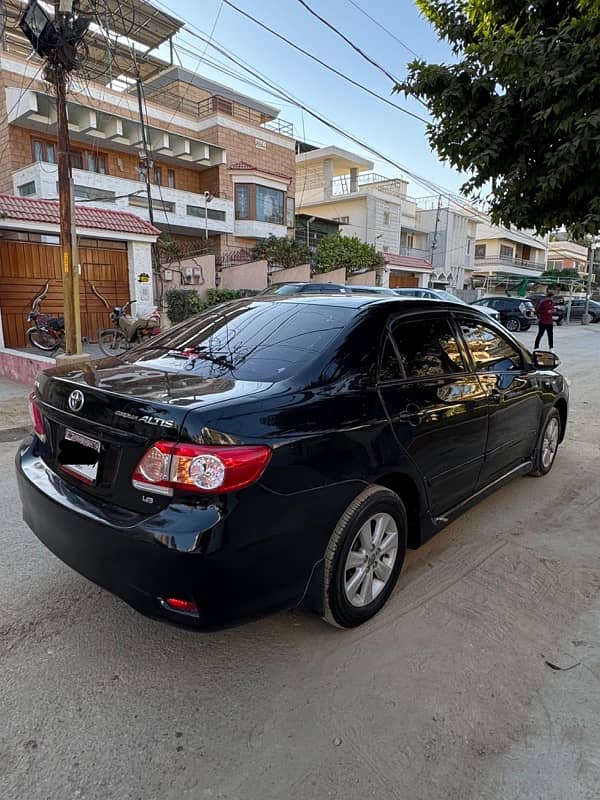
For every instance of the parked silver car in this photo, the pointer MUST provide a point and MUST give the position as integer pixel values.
(440, 294)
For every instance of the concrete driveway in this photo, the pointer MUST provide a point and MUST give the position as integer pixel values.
(449, 693)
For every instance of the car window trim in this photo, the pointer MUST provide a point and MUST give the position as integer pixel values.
(399, 316)
(525, 362)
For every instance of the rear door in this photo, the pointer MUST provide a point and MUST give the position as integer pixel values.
(515, 399)
(437, 408)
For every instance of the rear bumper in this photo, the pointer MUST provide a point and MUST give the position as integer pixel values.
(255, 559)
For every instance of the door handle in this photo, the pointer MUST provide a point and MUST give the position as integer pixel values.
(496, 395)
(413, 415)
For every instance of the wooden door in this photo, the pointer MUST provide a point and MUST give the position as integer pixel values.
(25, 267)
(403, 280)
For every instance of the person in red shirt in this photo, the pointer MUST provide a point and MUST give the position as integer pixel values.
(544, 313)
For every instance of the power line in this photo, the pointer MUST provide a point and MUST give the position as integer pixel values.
(323, 63)
(383, 28)
(349, 41)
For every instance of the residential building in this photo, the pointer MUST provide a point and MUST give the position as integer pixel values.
(222, 171)
(220, 164)
(503, 252)
(451, 240)
(336, 184)
(568, 255)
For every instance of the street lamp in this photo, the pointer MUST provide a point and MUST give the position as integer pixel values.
(207, 199)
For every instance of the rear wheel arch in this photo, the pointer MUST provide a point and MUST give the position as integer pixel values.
(408, 491)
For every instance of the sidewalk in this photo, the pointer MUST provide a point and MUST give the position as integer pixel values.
(15, 421)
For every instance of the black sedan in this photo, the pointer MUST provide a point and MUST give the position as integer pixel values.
(280, 452)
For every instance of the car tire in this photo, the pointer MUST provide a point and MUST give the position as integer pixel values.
(364, 557)
(512, 324)
(547, 446)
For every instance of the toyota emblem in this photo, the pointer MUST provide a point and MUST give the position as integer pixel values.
(76, 400)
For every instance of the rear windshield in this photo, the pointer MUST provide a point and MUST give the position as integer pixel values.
(258, 341)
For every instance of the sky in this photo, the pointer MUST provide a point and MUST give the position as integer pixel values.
(388, 130)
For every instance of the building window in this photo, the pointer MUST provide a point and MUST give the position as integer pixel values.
(269, 205)
(386, 248)
(291, 213)
(410, 241)
(157, 176)
(260, 203)
(342, 220)
(386, 217)
(90, 193)
(26, 189)
(43, 151)
(469, 245)
(242, 200)
(479, 251)
(506, 251)
(89, 161)
(198, 211)
(171, 178)
(157, 205)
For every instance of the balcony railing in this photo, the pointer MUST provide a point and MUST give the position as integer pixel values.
(346, 185)
(508, 261)
(221, 105)
(415, 252)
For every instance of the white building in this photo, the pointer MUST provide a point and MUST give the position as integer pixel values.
(504, 252)
(451, 241)
(336, 184)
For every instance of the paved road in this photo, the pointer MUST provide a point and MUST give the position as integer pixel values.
(445, 695)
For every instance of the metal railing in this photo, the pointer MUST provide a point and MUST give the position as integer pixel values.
(346, 185)
(509, 261)
(234, 257)
(221, 105)
(415, 252)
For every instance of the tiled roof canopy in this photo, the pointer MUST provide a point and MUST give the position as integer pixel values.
(48, 211)
(244, 165)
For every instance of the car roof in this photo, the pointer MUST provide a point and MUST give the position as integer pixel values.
(356, 301)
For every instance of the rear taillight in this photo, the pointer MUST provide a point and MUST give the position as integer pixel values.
(167, 467)
(36, 418)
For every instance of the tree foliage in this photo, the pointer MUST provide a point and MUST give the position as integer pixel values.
(282, 252)
(570, 273)
(336, 251)
(184, 303)
(520, 109)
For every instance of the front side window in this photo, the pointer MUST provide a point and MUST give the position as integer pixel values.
(506, 251)
(479, 251)
(427, 348)
(158, 176)
(490, 351)
(171, 178)
(269, 205)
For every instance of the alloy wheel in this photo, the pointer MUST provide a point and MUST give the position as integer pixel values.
(550, 443)
(370, 560)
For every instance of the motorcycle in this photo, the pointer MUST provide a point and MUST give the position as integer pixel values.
(127, 331)
(47, 333)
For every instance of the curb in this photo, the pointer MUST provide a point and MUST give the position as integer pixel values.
(14, 434)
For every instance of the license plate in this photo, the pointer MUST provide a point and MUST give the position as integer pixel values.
(86, 472)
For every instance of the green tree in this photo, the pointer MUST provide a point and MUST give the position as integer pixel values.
(561, 274)
(519, 111)
(282, 252)
(336, 251)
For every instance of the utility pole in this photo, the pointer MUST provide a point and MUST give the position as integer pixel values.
(56, 40)
(435, 231)
(588, 289)
(70, 269)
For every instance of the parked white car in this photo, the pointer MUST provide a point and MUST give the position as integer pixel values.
(440, 294)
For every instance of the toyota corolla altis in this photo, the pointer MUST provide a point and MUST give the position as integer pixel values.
(278, 452)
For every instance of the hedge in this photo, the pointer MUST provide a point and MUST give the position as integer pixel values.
(184, 303)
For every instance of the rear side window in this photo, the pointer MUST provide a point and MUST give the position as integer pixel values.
(257, 341)
(427, 348)
(490, 351)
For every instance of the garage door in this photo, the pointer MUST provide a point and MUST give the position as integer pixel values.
(403, 280)
(26, 266)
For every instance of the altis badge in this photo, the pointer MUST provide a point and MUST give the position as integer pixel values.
(148, 419)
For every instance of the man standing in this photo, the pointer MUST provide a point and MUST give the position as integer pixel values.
(545, 315)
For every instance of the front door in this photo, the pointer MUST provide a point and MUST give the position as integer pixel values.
(438, 411)
(515, 400)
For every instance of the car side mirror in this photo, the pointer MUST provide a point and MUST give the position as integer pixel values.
(542, 359)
